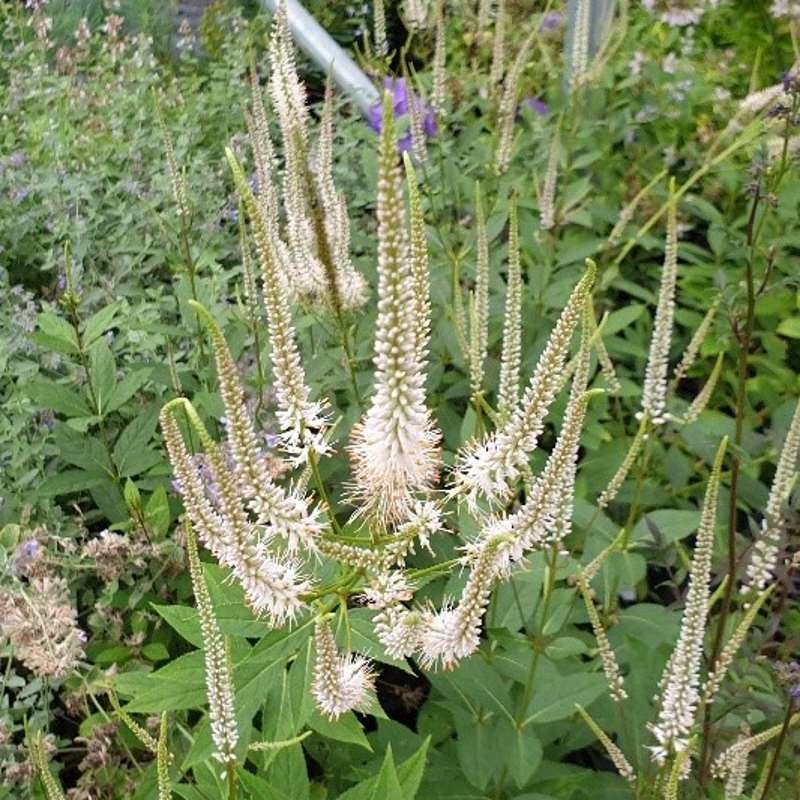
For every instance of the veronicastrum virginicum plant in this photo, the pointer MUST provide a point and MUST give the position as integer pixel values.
(297, 557)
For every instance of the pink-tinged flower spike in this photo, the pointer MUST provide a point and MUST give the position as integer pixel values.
(342, 682)
(680, 683)
(285, 514)
(303, 422)
(654, 397)
(439, 59)
(273, 586)
(767, 545)
(489, 468)
(510, 359)
(219, 680)
(696, 342)
(394, 447)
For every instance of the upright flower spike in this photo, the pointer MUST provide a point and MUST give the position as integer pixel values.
(479, 323)
(342, 682)
(767, 545)
(286, 513)
(219, 680)
(507, 108)
(273, 586)
(510, 360)
(654, 397)
(394, 447)
(303, 421)
(52, 788)
(498, 44)
(346, 287)
(162, 761)
(489, 468)
(547, 196)
(379, 27)
(175, 174)
(680, 683)
(439, 59)
(579, 56)
(419, 264)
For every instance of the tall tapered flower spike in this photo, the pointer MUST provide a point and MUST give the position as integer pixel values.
(490, 467)
(394, 447)
(702, 398)
(479, 323)
(508, 394)
(618, 478)
(579, 56)
(546, 515)
(52, 788)
(162, 761)
(626, 215)
(507, 107)
(263, 150)
(767, 545)
(175, 173)
(346, 287)
(614, 753)
(499, 44)
(274, 586)
(379, 27)
(547, 196)
(287, 514)
(342, 682)
(419, 264)
(219, 679)
(439, 59)
(303, 421)
(680, 683)
(654, 397)
(695, 343)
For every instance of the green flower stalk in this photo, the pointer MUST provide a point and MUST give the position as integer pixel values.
(614, 753)
(394, 448)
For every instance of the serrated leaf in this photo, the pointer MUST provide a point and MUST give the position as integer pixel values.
(99, 322)
(56, 333)
(127, 388)
(345, 729)
(132, 451)
(102, 372)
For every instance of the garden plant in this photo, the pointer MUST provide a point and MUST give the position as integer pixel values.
(444, 452)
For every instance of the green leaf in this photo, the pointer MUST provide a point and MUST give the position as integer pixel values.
(156, 512)
(345, 729)
(182, 619)
(56, 333)
(99, 323)
(70, 481)
(523, 751)
(790, 327)
(102, 372)
(132, 452)
(478, 755)
(62, 400)
(383, 786)
(127, 388)
(555, 694)
(83, 451)
(666, 525)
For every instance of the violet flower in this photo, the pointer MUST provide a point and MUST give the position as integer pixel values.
(401, 101)
(536, 105)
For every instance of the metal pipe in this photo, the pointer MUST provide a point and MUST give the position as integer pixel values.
(318, 45)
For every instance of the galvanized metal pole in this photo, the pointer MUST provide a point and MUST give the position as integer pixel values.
(318, 45)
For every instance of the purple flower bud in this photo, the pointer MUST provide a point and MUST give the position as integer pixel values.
(552, 21)
(17, 159)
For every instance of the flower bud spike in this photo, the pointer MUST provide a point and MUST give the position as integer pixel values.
(508, 394)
